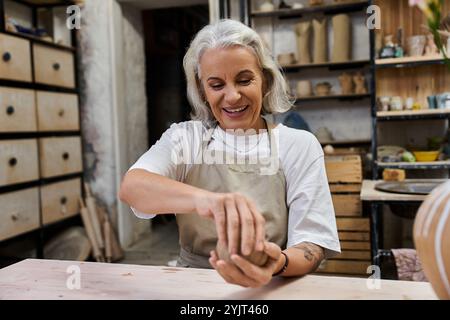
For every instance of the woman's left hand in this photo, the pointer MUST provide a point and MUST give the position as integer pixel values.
(244, 273)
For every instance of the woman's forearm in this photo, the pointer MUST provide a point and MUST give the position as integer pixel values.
(155, 194)
(303, 259)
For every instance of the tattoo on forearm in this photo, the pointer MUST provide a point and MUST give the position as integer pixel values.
(312, 252)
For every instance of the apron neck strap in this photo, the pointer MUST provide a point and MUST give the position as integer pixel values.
(273, 151)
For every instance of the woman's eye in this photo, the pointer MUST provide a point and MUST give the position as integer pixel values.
(245, 82)
(216, 86)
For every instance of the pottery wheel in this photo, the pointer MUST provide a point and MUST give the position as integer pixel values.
(408, 187)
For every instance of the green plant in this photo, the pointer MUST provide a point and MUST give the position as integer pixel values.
(433, 12)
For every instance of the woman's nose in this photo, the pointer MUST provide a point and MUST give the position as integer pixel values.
(232, 95)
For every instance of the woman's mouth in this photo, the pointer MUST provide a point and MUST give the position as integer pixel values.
(235, 112)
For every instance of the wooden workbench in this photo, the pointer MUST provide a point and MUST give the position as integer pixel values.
(369, 193)
(46, 279)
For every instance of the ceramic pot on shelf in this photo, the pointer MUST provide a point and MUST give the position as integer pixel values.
(286, 59)
(396, 103)
(304, 89)
(346, 82)
(303, 33)
(342, 36)
(416, 45)
(320, 40)
(266, 6)
(384, 103)
(323, 89)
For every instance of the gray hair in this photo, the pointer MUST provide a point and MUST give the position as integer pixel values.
(228, 33)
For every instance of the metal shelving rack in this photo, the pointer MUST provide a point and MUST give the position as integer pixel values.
(376, 207)
(329, 9)
(40, 232)
(426, 114)
(376, 117)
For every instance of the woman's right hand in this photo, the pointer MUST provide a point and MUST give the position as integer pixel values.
(236, 218)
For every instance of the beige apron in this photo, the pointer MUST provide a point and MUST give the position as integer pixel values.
(198, 235)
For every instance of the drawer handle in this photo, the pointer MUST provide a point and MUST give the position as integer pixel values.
(56, 66)
(15, 216)
(61, 113)
(10, 110)
(6, 56)
(65, 155)
(63, 200)
(12, 162)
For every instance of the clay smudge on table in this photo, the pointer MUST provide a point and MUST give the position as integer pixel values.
(127, 274)
(171, 269)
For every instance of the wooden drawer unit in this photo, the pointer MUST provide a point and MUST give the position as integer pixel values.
(18, 161)
(57, 111)
(60, 156)
(60, 200)
(17, 110)
(19, 212)
(53, 66)
(40, 131)
(15, 58)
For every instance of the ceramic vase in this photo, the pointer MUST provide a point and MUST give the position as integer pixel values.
(432, 239)
(303, 32)
(341, 38)
(304, 88)
(320, 41)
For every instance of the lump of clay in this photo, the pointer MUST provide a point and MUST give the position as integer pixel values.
(258, 258)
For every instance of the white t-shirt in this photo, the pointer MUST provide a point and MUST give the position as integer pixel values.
(311, 212)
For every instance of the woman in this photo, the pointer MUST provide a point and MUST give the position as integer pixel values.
(231, 175)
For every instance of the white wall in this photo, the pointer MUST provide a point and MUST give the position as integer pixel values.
(113, 103)
(135, 102)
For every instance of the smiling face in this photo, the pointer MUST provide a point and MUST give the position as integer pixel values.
(232, 82)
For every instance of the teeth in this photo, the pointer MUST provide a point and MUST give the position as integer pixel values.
(236, 110)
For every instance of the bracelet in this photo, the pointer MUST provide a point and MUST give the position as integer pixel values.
(283, 269)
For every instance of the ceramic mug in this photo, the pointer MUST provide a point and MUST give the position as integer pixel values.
(396, 103)
(443, 101)
(432, 102)
(384, 102)
(409, 103)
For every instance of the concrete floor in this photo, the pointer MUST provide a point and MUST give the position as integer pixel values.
(157, 247)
